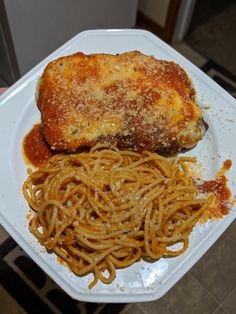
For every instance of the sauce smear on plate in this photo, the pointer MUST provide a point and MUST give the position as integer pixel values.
(218, 186)
(35, 148)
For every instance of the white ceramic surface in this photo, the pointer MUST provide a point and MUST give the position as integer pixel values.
(142, 281)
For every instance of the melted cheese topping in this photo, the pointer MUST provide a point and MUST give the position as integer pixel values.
(130, 100)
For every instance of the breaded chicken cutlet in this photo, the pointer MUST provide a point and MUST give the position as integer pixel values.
(131, 100)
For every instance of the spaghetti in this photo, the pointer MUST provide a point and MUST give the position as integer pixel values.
(106, 209)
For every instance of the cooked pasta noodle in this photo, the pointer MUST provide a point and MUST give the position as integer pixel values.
(106, 209)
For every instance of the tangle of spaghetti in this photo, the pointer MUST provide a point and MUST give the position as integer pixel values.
(106, 209)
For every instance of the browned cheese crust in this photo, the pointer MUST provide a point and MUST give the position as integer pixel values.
(130, 100)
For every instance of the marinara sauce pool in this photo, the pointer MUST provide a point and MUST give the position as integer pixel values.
(36, 151)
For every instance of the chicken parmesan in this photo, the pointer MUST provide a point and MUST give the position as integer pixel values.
(130, 100)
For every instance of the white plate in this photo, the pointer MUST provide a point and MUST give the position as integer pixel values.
(18, 112)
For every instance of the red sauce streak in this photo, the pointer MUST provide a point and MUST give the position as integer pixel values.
(226, 165)
(220, 189)
(36, 150)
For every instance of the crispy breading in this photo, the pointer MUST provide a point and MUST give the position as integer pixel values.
(131, 100)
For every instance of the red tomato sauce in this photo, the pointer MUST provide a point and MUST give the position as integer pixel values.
(220, 189)
(36, 150)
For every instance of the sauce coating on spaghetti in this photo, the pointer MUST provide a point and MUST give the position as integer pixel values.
(35, 148)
